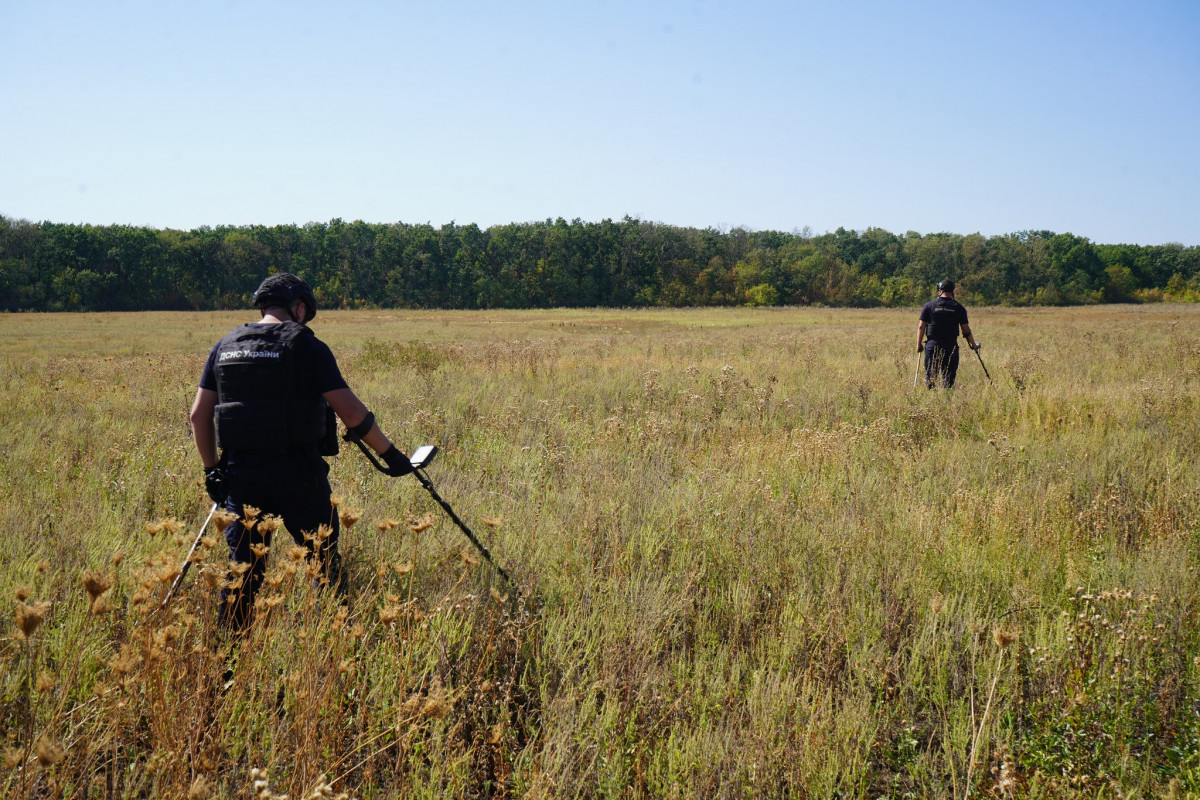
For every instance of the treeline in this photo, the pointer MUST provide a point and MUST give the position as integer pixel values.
(58, 267)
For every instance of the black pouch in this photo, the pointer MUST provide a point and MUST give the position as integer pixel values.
(329, 442)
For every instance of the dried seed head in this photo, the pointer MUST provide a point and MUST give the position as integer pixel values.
(48, 752)
(29, 617)
(172, 525)
(259, 550)
(402, 569)
(223, 518)
(422, 524)
(211, 579)
(13, 757)
(468, 557)
(349, 517)
(493, 522)
(270, 523)
(96, 584)
(937, 603)
(167, 573)
(436, 704)
(154, 528)
(200, 789)
(46, 682)
(166, 636)
(22, 593)
(324, 532)
(500, 599)
(386, 525)
(117, 559)
(250, 514)
(1004, 637)
(322, 790)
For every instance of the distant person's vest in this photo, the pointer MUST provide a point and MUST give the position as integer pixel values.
(259, 401)
(944, 314)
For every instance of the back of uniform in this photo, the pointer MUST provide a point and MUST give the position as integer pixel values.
(943, 318)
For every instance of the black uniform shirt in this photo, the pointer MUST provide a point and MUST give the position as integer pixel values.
(322, 369)
(943, 316)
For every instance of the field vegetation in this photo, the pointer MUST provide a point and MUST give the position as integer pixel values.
(754, 561)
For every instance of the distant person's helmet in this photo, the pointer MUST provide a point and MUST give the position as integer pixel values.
(946, 286)
(283, 289)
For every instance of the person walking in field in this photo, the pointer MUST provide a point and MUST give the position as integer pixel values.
(937, 336)
(262, 421)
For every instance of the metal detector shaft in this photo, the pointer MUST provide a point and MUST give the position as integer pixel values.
(428, 484)
(985, 372)
(187, 562)
(917, 373)
(462, 526)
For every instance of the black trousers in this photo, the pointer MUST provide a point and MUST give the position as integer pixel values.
(941, 364)
(292, 486)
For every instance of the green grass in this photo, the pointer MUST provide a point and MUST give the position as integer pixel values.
(756, 562)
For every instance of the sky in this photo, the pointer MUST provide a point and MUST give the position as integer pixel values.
(1081, 116)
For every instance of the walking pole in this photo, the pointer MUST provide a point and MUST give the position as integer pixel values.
(187, 562)
(985, 372)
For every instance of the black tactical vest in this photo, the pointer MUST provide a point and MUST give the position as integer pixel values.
(259, 400)
(944, 316)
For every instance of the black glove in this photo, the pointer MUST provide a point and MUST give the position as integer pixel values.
(398, 463)
(214, 482)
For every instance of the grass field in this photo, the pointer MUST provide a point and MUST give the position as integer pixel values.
(754, 560)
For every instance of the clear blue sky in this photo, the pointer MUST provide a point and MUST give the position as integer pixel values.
(1080, 116)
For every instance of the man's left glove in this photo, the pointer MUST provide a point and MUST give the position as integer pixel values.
(398, 463)
(214, 482)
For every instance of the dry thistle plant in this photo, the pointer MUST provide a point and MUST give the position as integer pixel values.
(29, 617)
(421, 524)
(348, 517)
(98, 585)
(48, 752)
(222, 518)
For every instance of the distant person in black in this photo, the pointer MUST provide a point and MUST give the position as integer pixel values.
(267, 398)
(937, 336)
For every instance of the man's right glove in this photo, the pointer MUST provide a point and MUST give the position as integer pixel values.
(214, 483)
(398, 463)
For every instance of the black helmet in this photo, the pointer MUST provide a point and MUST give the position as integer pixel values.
(284, 288)
(946, 286)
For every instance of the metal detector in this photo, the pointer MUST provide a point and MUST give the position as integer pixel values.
(985, 372)
(187, 562)
(420, 459)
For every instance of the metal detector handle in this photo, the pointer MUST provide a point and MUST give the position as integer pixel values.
(187, 562)
(350, 437)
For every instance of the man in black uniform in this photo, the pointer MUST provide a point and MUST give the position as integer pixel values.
(267, 398)
(937, 336)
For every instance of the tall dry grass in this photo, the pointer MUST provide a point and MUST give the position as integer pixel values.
(757, 563)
